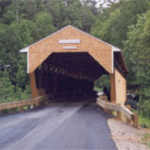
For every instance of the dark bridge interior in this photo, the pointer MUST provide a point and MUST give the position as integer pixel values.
(69, 75)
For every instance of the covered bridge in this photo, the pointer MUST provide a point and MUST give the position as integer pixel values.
(71, 59)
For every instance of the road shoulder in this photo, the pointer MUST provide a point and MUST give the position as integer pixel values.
(126, 137)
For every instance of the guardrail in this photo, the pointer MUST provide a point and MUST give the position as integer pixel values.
(19, 104)
(122, 111)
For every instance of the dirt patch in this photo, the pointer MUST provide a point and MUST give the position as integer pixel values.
(126, 137)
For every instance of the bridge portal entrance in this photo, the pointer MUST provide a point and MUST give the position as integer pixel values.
(69, 61)
(68, 75)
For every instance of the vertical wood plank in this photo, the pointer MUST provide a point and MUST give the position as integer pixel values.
(112, 88)
(120, 87)
(34, 88)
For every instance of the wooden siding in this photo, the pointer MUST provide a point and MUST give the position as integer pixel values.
(99, 50)
(120, 83)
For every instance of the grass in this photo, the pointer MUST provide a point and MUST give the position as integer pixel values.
(146, 139)
(144, 122)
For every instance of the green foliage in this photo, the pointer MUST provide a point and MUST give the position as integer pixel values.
(145, 108)
(112, 26)
(102, 82)
(109, 29)
(6, 87)
(65, 12)
(9, 92)
(43, 25)
(137, 50)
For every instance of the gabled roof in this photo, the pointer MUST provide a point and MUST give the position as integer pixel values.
(24, 50)
(70, 39)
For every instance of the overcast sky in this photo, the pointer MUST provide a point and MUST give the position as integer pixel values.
(105, 2)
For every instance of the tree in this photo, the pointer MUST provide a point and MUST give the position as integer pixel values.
(7, 89)
(112, 25)
(14, 38)
(137, 50)
(3, 5)
(65, 12)
(43, 25)
(109, 29)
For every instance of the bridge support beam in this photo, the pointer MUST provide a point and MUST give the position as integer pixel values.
(34, 88)
(118, 88)
(112, 88)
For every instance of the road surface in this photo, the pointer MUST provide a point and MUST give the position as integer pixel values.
(57, 127)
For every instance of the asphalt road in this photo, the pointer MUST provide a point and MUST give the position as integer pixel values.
(57, 127)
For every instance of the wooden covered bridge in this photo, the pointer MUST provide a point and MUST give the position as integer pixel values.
(71, 59)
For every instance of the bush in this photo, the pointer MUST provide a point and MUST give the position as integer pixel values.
(144, 108)
(9, 92)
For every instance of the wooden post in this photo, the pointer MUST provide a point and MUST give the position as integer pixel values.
(112, 88)
(118, 88)
(34, 89)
